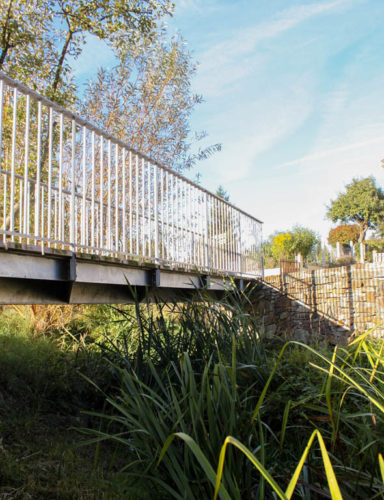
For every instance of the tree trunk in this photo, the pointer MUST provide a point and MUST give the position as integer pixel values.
(61, 62)
(363, 231)
(5, 37)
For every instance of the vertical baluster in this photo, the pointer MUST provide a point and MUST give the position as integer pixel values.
(49, 193)
(93, 190)
(155, 195)
(101, 195)
(130, 205)
(109, 222)
(38, 171)
(173, 215)
(73, 236)
(178, 220)
(143, 253)
(183, 233)
(137, 206)
(117, 197)
(26, 164)
(150, 206)
(42, 216)
(55, 222)
(231, 233)
(219, 244)
(168, 231)
(161, 232)
(21, 208)
(61, 214)
(84, 187)
(13, 166)
(1, 158)
(5, 208)
(223, 235)
(28, 208)
(1, 120)
(123, 202)
(240, 246)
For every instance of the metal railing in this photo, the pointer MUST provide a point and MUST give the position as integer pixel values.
(377, 257)
(66, 184)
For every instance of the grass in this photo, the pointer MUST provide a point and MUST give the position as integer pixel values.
(42, 396)
(187, 401)
(270, 401)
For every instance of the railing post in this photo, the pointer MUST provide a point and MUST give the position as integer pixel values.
(13, 166)
(38, 170)
(25, 229)
(72, 224)
(207, 256)
(155, 195)
(240, 249)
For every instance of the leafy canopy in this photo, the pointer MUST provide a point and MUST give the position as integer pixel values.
(37, 39)
(361, 203)
(344, 234)
(288, 244)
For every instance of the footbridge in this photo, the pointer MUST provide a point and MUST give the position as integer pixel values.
(82, 213)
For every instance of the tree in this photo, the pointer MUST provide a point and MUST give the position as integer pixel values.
(146, 100)
(37, 38)
(344, 234)
(222, 193)
(288, 244)
(362, 203)
(281, 246)
(304, 241)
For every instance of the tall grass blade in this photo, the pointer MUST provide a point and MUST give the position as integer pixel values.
(331, 478)
(205, 465)
(381, 463)
(259, 466)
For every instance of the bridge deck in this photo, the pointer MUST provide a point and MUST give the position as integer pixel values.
(62, 277)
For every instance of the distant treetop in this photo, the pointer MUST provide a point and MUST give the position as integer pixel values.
(362, 203)
(344, 234)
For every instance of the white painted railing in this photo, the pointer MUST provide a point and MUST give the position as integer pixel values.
(377, 257)
(66, 184)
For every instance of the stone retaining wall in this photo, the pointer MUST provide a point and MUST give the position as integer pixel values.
(332, 302)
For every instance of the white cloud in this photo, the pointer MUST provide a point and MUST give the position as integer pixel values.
(319, 155)
(236, 57)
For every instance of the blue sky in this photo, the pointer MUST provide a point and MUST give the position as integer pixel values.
(294, 91)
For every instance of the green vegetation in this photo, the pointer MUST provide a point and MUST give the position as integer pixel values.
(288, 244)
(362, 204)
(344, 234)
(145, 98)
(178, 385)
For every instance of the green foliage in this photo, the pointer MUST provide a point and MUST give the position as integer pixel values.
(303, 241)
(362, 203)
(38, 38)
(40, 374)
(42, 395)
(344, 234)
(287, 245)
(273, 403)
(281, 246)
(376, 244)
(203, 373)
(146, 100)
(222, 193)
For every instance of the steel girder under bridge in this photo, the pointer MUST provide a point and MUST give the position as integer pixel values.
(82, 213)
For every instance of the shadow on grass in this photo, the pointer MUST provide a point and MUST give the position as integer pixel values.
(42, 396)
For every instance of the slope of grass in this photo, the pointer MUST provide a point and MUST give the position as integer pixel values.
(178, 382)
(42, 396)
